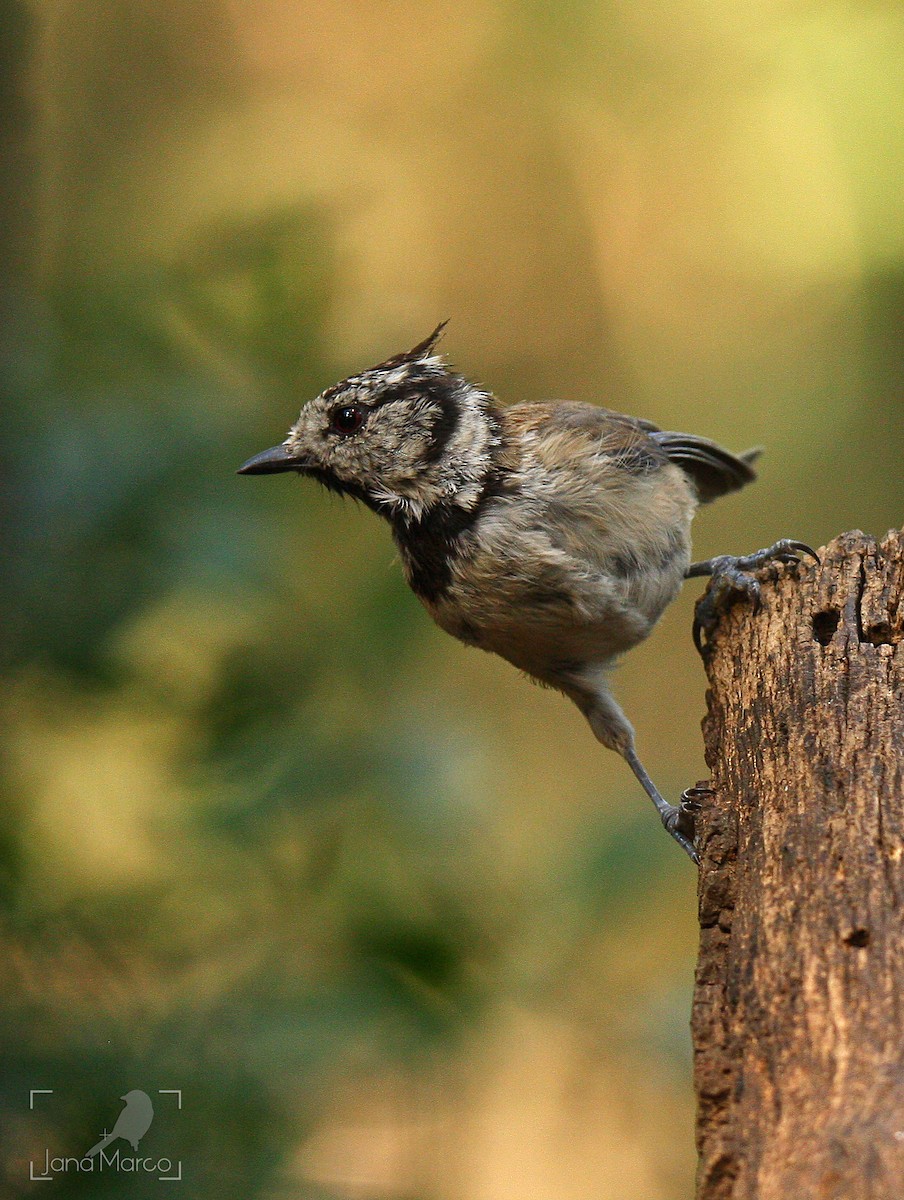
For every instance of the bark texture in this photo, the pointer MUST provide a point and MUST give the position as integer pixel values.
(799, 1000)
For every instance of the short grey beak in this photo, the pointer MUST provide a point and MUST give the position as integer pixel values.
(280, 458)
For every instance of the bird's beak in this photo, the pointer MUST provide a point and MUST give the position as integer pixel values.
(280, 458)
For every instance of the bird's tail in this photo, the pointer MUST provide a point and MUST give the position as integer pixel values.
(101, 1145)
(713, 470)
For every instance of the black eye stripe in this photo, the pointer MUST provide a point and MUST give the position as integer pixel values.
(443, 429)
(406, 391)
(391, 395)
(373, 403)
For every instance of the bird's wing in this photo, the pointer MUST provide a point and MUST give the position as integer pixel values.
(582, 434)
(573, 437)
(713, 470)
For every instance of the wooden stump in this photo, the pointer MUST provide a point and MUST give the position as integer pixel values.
(798, 1018)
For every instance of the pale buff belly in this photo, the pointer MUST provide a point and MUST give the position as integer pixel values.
(549, 630)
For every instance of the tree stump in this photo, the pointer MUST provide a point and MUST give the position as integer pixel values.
(798, 1017)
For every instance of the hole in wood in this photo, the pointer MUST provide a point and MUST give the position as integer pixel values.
(824, 625)
(880, 634)
(857, 937)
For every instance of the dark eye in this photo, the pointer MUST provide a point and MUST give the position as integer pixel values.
(347, 419)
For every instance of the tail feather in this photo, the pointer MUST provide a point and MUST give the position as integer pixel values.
(714, 471)
(102, 1144)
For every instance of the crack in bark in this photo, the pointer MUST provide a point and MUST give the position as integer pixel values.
(861, 591)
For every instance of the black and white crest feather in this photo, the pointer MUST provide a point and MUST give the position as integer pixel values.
(421, 351)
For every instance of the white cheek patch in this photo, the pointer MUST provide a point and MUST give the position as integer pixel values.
(473, 433)
(468, 456)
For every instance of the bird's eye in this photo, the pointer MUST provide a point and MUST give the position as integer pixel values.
(347, 419)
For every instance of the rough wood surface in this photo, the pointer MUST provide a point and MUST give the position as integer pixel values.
(798, 1018)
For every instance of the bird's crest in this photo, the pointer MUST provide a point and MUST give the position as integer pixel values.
(422, 350)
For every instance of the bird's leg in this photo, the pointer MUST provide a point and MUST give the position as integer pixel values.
(613, 729)
(731, 575)
(678, 819)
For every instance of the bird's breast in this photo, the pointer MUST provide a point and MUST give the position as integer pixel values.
(542, 587)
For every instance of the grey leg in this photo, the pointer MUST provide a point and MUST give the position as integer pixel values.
(678, 819)
(613, 729)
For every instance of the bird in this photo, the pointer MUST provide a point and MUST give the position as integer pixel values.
(553, 534)
(132, 1123)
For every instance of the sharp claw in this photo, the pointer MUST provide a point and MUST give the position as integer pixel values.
(803, 548)
(696, 632)
(689, 798)
(791, 551)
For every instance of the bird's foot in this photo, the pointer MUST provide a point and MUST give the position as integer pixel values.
(681, 819)
(731, 576)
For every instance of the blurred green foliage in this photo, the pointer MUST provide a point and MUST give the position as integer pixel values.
(118, 449)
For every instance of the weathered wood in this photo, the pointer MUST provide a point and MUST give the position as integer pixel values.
(798, 1019)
